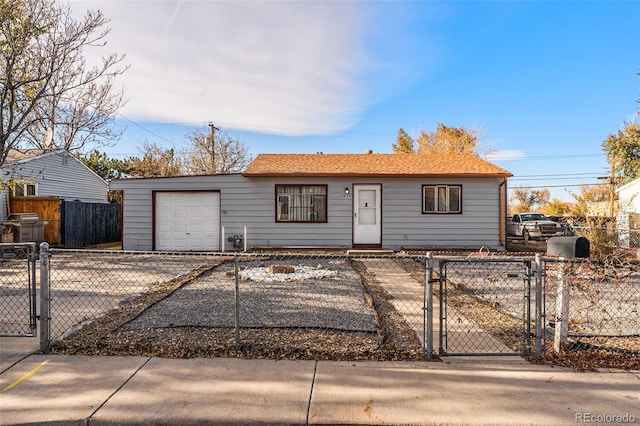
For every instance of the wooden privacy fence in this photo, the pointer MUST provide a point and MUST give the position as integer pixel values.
(85, 224)
(48, 211)
(72, 224)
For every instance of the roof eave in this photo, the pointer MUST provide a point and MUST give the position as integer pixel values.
(381, 175)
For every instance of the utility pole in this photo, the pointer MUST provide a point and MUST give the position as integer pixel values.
(213, 146)
(612, 186)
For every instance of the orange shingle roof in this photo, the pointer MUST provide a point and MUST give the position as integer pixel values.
(389, 165)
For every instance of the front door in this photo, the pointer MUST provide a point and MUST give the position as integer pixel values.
(367, 215)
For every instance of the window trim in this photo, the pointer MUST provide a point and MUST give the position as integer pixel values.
(25, 190)
(289, 196)
(437, 188)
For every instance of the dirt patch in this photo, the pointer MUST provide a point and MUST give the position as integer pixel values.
(587, 357)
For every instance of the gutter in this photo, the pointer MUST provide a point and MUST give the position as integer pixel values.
(502, 197)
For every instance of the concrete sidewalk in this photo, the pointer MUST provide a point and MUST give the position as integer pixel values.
(37, 389)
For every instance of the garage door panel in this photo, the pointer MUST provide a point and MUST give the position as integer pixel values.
(204, 227)
(187, 221)
(181, 227)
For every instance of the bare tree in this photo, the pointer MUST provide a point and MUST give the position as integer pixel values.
(49, 96)
(526, 199)
(154, 161)
(449, 140)
(589, 198)
(225, 155)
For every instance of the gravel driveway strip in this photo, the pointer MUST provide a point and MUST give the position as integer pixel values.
(332, 300)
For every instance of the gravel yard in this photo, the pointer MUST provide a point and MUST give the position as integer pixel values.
(340, 315)
(330, 298)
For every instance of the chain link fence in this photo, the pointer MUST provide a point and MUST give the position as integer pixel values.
(485, 306)
(87, 284)
(17, 289)
(597, 303)
(268, 305)
(321, 306)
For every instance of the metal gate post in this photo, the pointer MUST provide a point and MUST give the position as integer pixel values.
(428, 326)
(539, 325)
(45, 298)
(443, 314)
(33, 308)
(527, 313)
(236, 309)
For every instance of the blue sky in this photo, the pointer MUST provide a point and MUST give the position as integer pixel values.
(544, 81)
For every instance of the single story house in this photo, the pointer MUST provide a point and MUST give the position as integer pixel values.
(390, 201)
(51, 173)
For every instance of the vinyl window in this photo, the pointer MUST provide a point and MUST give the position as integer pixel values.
(441, 199)
(28, 189)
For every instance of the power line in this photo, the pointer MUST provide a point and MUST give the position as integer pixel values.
(546, 157)
(555, 177)
(557, 186)
(145, 129)
(562, 174)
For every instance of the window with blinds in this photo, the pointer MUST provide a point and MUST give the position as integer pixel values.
(301, 203)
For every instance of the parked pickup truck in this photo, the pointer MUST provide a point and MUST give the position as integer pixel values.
(533, 225)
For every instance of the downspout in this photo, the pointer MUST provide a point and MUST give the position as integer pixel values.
(503, 211)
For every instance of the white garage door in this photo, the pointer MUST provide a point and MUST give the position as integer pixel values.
(187, 221)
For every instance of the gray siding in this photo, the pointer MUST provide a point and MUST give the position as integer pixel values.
(3, 205)
(250, 202)
(58, 174)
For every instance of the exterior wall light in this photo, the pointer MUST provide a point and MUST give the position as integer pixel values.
(346, 191)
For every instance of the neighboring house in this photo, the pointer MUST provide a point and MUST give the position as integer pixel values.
(629, 197)
(52, 173)
(628, 218)
(389, 201)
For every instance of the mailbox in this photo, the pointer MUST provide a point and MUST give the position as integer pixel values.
(568, 247)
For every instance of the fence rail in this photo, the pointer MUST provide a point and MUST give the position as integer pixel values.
(331, 306)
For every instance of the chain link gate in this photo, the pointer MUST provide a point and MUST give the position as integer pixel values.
(485, 306)
(18, 290)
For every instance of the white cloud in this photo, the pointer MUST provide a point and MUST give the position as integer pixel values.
(275, 67)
